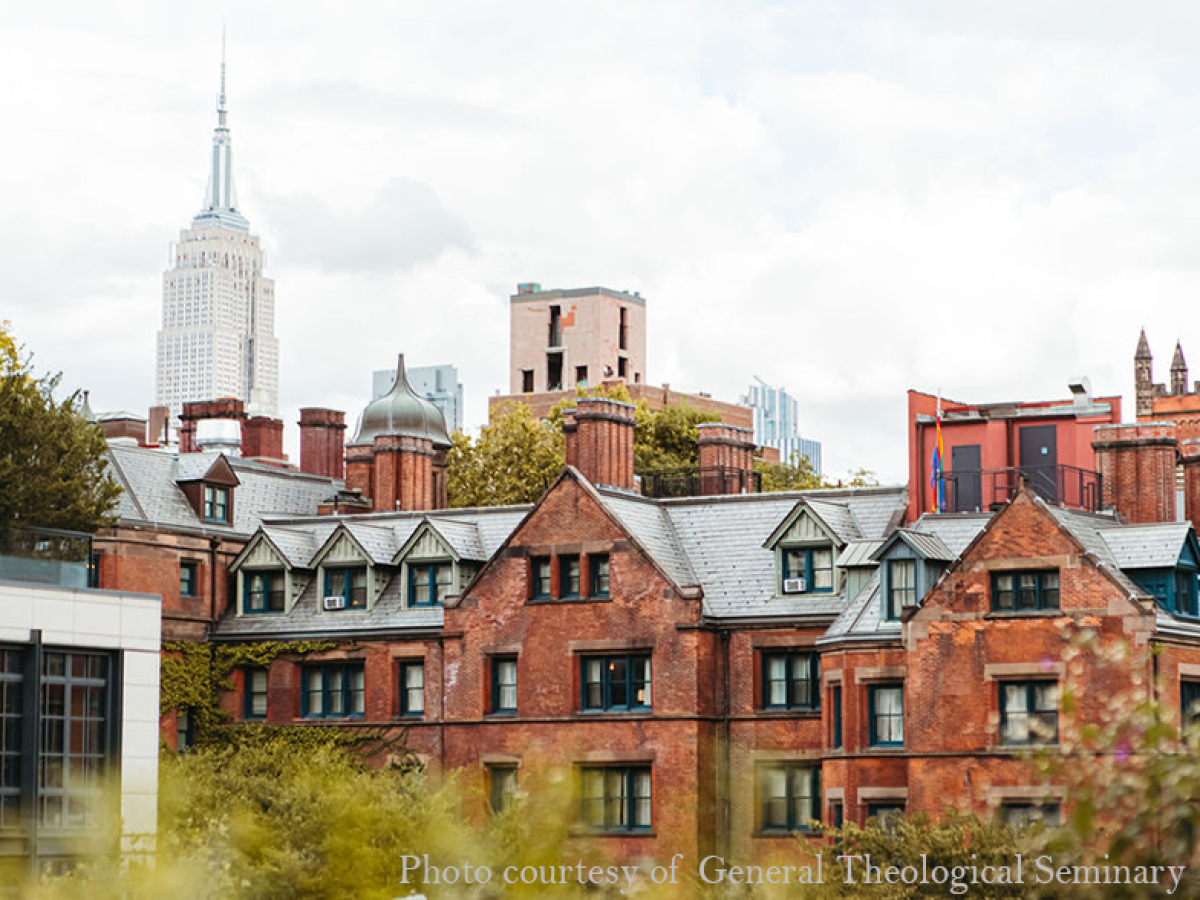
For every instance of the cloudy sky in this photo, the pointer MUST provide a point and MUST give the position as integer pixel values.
(846, 199)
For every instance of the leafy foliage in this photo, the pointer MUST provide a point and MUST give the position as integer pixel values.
(53, 468)
(195, 674)
(513, 461)
(666, 438)
(798, 474)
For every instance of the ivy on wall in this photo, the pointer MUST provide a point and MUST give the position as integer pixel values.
(194, 675)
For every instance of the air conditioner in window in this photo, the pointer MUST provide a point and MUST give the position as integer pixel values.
(335, 602)
(794, 586)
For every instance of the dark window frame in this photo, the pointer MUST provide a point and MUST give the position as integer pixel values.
(189, 578)
(619, 811)
(894, 607)
(791, 684)
(809, 568)
(874, 716)
(274, 600)
(1187, 600)
(355, 597)
(792, 821)
(215, 503)
(347, 690)
(570, 574)
(1189, 699)
(407, 708)
(599, 574)
(498, 706)
(539, 577)
(250, 691)
(835, 739)
(434, 586)
(1012, 594)
(608, 685)
(1032, 714)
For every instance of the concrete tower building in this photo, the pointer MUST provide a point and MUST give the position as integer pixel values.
(218, 324)
(561, 339)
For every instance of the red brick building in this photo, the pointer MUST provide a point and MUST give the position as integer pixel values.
(988, 446)
(718, 672)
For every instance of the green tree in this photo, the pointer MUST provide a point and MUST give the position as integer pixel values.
(797, 474)
(53, 465)
(666, 438)
(513, 461)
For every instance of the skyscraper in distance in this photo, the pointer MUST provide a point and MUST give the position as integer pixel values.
(217, 336)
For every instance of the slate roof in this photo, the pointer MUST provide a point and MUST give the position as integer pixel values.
(1088, 529)
(153, 496)
(1156, 546)
(480, 531)
(929, 546)
(462, 536)
(722, 539)
(858, 553)
(862, 619)
(955, 530)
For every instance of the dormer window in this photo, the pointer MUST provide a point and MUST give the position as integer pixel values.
(1185, 592)
(807, 570)
(264, 592)
(901, 587)
(429, 583)
(348, 585)
(216, 504)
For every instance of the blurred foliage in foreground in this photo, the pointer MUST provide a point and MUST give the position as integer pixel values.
(275, 821)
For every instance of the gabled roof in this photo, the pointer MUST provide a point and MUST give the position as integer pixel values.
(153, 497)
(1155, 546)
(205, 467)
(727, 542)
(461, 539)
(927, 546)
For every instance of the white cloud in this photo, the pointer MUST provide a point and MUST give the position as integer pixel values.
(847, 199)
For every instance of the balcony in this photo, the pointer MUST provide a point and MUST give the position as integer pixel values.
(45, 556)
(988, 489)
(664, 483)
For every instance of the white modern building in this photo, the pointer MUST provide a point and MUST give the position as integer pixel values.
(218, 318)
(777, 423)
(79, 691)
(437, 384)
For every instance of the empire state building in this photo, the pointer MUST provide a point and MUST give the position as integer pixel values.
(218, 314)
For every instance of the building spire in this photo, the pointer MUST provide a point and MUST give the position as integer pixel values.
(1143, 347)
(220, 200)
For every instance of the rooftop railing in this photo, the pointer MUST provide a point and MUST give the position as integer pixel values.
(982, 490)
(713, 480)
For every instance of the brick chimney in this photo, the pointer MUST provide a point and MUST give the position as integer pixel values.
(322, 439)
(1189, 458)
(726, 459)
(1137, 465)
(403, 473)
(570, 438)
(360, 469)
(603, 442)
(156, 426)
(200, 410)
(262, 438)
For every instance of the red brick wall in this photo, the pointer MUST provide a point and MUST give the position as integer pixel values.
(146, 561)
(322, 436)
(262, 437)
(1137, 463)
